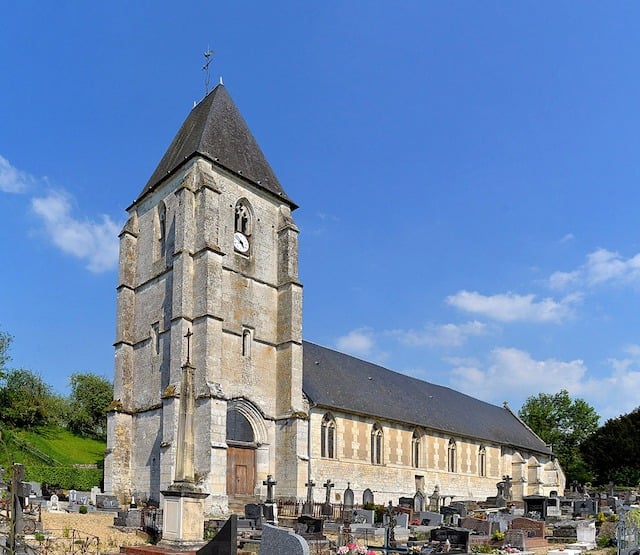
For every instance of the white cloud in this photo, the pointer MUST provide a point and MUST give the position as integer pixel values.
(445, 335)
(601, 266)
(510, 307)
(13, 180)
(512, 373)
(357, 342)
(94, 242)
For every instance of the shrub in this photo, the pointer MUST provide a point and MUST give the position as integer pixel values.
(83, 509)
(482, 548)
(65, 477)
(497, 536)
(604, 541)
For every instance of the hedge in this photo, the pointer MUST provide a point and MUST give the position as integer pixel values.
(65, 477)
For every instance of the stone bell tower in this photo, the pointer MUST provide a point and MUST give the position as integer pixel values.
(210, 246)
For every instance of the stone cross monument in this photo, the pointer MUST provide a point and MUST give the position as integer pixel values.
(183, 525)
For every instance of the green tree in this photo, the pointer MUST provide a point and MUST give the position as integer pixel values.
(27, 401)
(564, 424)
(90, 396)
(5, 343)
(613, 451)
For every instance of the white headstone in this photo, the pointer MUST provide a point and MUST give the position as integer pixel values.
(55, 503)
(95, 490)
(586, 534)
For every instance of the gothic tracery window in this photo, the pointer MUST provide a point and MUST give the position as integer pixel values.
(243, 218)
(482, 461)
(328, 437)
(451, 456)
(376, 444)
(415, 449)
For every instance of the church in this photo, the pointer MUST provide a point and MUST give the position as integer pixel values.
(208, 275)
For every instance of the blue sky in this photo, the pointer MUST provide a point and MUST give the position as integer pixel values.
(467, 175)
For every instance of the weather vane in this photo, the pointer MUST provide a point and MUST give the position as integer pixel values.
(207, 56)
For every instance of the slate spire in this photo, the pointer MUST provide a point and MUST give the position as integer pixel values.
(216, 130)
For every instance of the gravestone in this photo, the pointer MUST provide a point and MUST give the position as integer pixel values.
(457, 539)
(73, 496)
(434, 499)
(405, 502)
(253, 514)
(55, 503)
(270, 509)
(95, 491)
(277, 541)
(480, 525)
(532, 528)
(515, 538)
(363, 516)
(35, 489)
(585, 507)
(553, 507)
(429, 518)
(402, 520)
(310, 528)
(460, 508)
(270, 513)
(367, 497)
(450, 514)
(107, 502)
(327, 509)
(348, 498)
(586, 533)
(308, 506)
(418, 501)
(225, 541)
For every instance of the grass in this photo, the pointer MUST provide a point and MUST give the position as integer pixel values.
(62, 445)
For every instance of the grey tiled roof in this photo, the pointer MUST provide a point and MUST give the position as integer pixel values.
(216, 130)
(342, 382)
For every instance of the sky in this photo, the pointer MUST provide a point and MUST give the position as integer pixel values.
(467, 175)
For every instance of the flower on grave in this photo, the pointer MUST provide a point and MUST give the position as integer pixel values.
(353, 549)
(509, 549)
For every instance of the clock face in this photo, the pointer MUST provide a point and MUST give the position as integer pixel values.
(240, 242)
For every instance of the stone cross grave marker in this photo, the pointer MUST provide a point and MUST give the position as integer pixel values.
(269, 482)
(308, 506)
(327, 509)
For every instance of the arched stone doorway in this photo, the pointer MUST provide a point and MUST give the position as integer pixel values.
(241, 459)
(245, 433)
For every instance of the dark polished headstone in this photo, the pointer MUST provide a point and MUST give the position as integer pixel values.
(225, 542)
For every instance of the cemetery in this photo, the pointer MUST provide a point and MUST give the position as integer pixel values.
(575, 523)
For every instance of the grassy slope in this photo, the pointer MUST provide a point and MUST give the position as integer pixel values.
(62, 445)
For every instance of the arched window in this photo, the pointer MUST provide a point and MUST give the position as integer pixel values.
(328, 437)
(451, 456)
(246, 343)
(239, 428)
(243, 222)
(482, 461)
(162, 228)
(415, 449)
(376, 444)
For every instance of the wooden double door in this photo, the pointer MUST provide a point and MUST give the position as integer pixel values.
(241, 471)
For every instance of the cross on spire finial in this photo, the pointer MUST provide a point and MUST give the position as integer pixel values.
(207, 56)
(188, 337)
